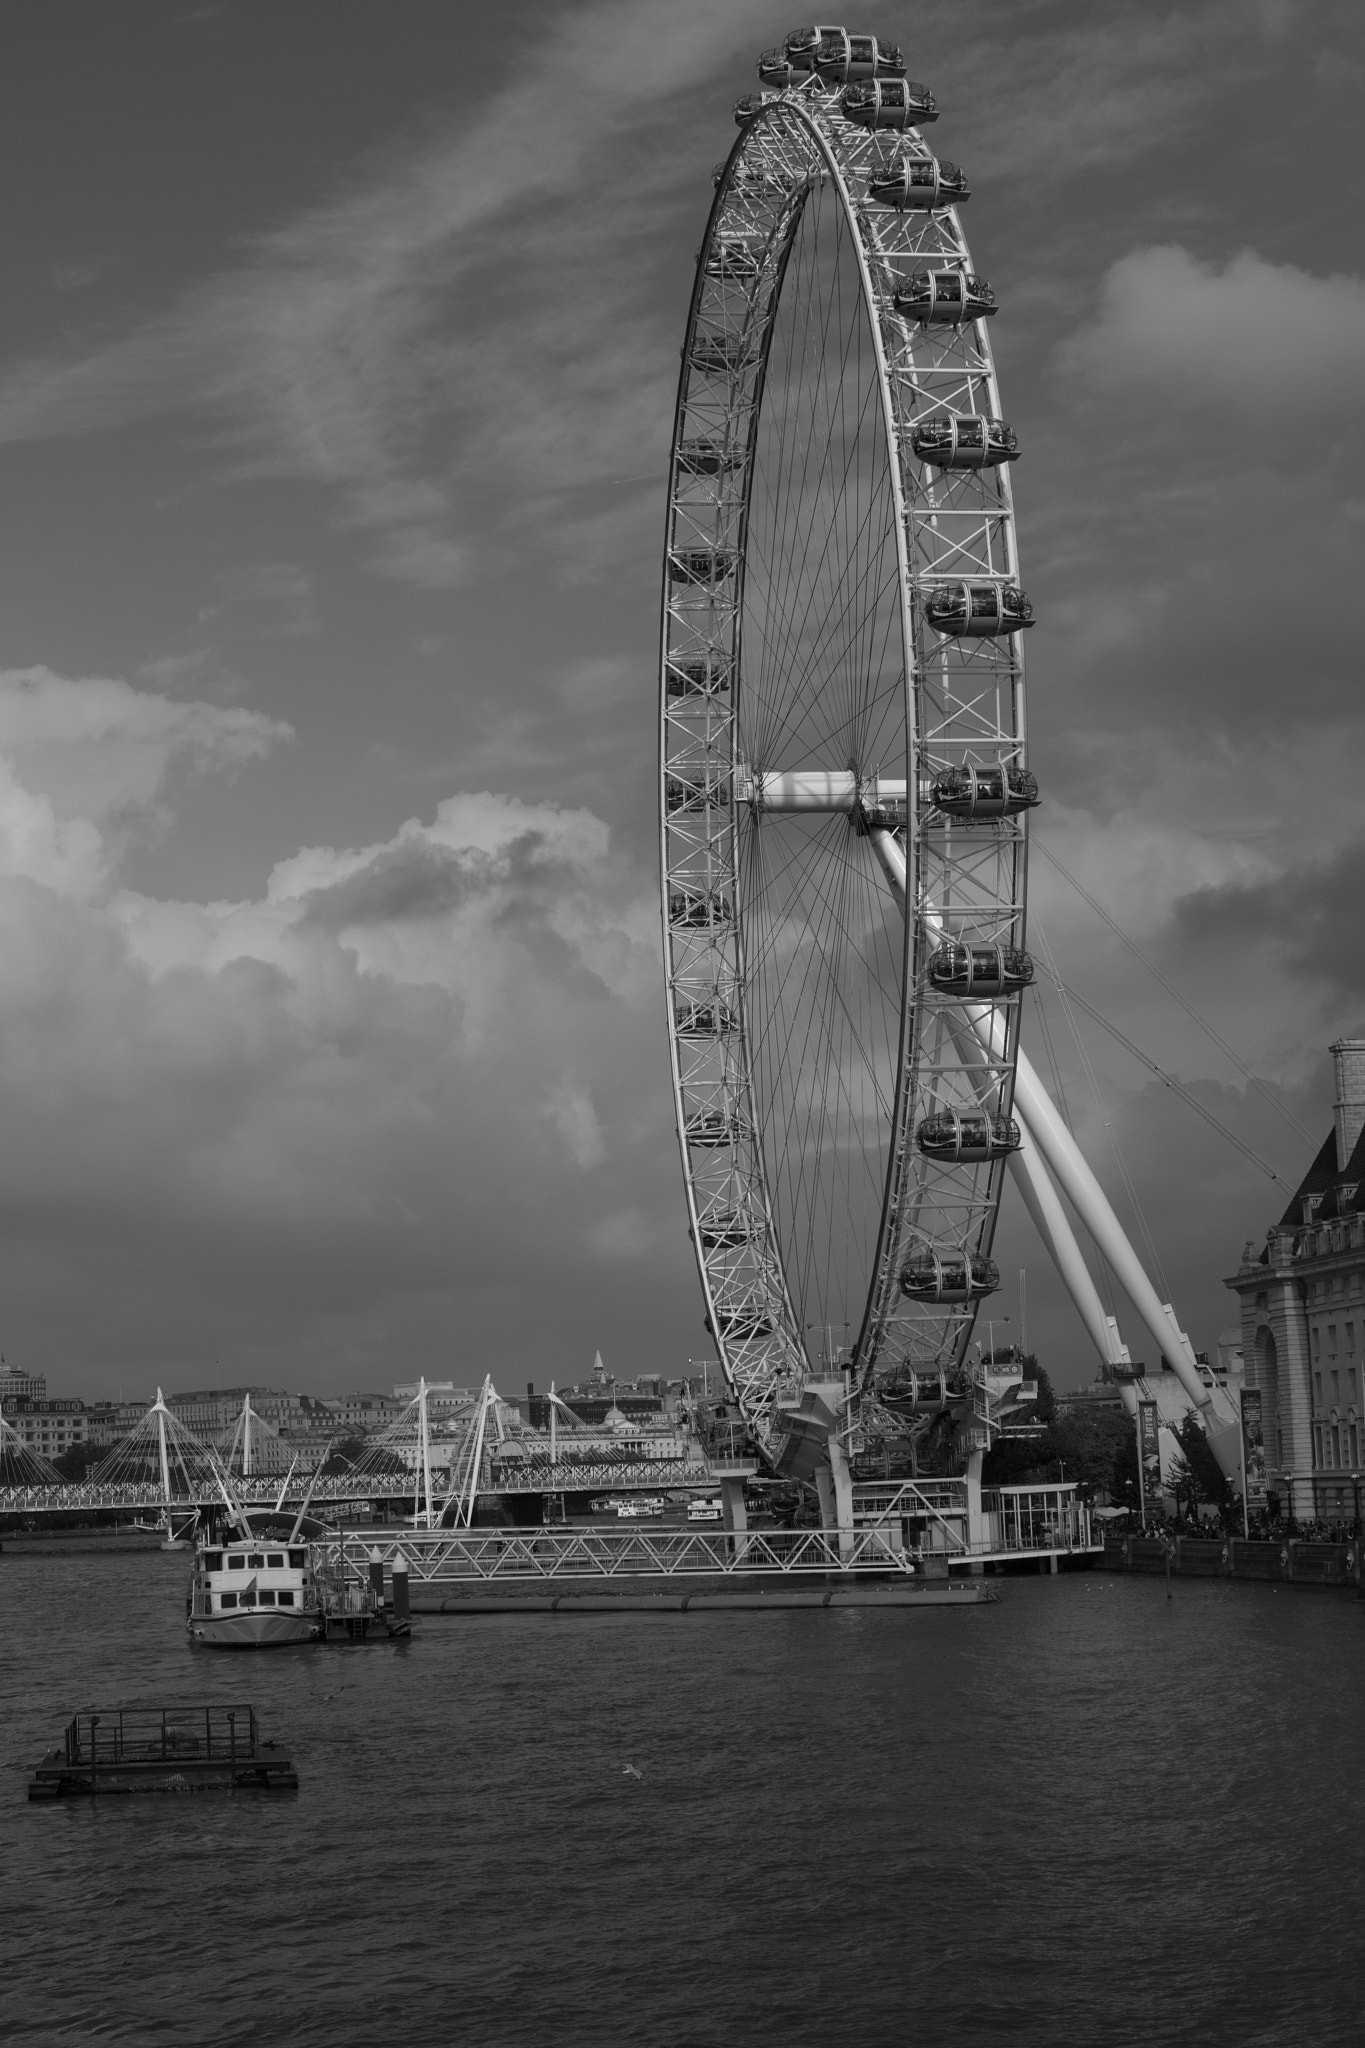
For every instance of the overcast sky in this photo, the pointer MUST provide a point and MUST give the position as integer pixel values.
(339, 359)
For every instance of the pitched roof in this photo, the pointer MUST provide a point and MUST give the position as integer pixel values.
(1316, 1181)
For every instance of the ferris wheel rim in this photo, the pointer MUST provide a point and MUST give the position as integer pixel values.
(733, 1344)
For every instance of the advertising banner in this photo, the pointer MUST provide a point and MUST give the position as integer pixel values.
(1253, 1448)
(1149, 1454)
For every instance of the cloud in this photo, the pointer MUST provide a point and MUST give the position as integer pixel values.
(569, 1108)
(320, 355)
(97, 749)
(1250, 335)
(361, 1090)
(1313, 915)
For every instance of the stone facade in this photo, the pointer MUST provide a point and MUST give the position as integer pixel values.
(1303, 1318)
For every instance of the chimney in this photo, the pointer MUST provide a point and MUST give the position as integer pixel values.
(1348, 1061)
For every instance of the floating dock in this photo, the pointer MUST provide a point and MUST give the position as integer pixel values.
(183, 1748)
(705, 1600)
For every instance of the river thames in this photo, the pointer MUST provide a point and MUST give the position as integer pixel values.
(1084, 1814)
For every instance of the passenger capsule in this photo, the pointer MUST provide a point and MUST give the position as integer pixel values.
(978, 611)
(995, 792)
(779, 71)
(707, 566)
(967, 1137)
(945, 297)
(840, 57)
(949, 1276)
(889, 103)
(699, 675)
(684, 795)
(969, 971)
(917, 184)
(731, 262)
(724, 1233)
(723, 355)
(708, 1019)
(964, 441)
(742, 1325)
(711, 1129)
(699, 910)
(751, 104)
(709, 458)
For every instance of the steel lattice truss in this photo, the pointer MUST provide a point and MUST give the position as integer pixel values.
(824, 745)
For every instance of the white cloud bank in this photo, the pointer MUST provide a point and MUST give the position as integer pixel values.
(1252, 333)
(406, 1072)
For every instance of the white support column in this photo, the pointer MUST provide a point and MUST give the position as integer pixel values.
(1034, 1108)
(975, 1525)
(165, 1461)
(1044, 1206)
(426, 1444)
(841, 1488)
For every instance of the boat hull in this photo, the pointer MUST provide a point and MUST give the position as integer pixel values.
(253, 1628)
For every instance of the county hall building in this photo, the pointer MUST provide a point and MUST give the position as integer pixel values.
(1303, 1318)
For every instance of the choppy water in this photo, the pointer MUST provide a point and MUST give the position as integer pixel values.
(1084, 1815)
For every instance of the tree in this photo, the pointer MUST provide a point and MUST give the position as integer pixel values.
(343, 1455)
(1090, 1448)
(76, 1462)
(1198, 1477)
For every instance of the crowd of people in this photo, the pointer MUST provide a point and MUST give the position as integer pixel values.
(1215, 1526)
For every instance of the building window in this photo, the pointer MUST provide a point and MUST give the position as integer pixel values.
(1335, 1459)
(1317, 1445)
(1350, 1336)
(1355, 1447)
(1331, 1337)
(1351, 1383)
(1316, 1334)
(1317, 1390)
(1336, 1388)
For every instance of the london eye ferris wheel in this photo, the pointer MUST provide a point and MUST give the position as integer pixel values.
(843, 784)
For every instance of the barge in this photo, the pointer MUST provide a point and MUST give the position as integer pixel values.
(181, 1748)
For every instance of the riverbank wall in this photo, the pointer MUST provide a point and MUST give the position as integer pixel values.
(1293, 1562)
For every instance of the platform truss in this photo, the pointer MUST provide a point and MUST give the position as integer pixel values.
(806, 1194)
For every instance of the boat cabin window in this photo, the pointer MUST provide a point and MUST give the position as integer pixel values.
(276, 1558)
(228, 1599)
(298, 1558)
(265, 1598)
(286, 1598)
(236, 1564)
(213, 1560)
(256, 1562)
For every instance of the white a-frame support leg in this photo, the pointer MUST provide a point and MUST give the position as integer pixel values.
(1050, 1149)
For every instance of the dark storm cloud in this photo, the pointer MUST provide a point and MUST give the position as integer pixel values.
(1313, 916)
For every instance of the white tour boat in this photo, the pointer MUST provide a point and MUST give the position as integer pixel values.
(253, 1583)
(253, 1591)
